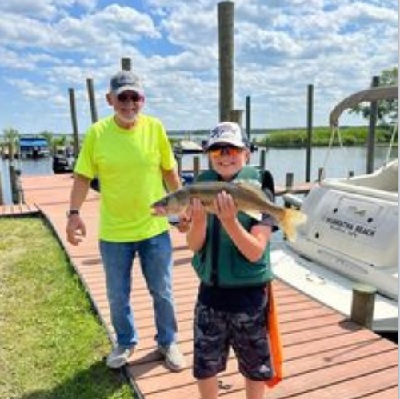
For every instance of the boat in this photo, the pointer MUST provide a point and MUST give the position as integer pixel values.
(187, 147)
(350, 237)
(33, 147)
(63, 160)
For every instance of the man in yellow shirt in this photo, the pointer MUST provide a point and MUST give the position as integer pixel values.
(131, 155)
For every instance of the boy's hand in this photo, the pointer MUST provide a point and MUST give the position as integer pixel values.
(225, 207)
(197, 212)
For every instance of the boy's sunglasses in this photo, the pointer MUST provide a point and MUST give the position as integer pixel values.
(125, 97)
(226, 150)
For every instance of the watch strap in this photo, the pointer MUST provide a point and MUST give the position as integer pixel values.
(72, 212)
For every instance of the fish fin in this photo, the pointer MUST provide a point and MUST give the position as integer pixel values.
(252, 186)
(248, 183)
(254, 215)
(289, 222)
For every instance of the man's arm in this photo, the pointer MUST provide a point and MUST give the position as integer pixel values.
(80, 188)
(171, 179)
(173, 182)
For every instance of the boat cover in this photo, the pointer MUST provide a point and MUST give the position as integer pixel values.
(373, 94)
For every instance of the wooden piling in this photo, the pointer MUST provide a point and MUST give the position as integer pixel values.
(362, 307)
(13, 175)
(321, 174)
(288, 186)
(248, 118)
(74, 121)
(178, 158)
(92, 99)
(225, 51)
(263, 157)
(1, 190)
(310, 109)
(289, 181)
(236, 115)
(373, 117)
(126, 64)
(196, 166)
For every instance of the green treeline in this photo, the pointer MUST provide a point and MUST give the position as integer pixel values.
(297, 137)
(350, 136)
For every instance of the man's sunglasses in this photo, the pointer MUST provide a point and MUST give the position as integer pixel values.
(125, 97)
(225, 150)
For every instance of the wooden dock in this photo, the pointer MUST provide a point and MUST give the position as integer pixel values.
(18, 210)
(326, 356)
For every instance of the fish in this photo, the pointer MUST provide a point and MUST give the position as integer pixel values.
(248, 197)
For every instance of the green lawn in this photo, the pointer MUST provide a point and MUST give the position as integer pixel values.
(51, 343)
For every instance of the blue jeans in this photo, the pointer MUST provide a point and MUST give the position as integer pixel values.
(155, 256)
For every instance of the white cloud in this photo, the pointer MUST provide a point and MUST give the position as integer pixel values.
(43, 9)
(281, 46)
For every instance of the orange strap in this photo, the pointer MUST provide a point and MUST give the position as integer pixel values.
(275, 340)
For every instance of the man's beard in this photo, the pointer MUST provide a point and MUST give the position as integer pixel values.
(131, 119)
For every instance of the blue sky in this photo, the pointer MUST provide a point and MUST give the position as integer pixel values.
(281, 46)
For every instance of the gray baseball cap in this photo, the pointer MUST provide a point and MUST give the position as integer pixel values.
(125, 80)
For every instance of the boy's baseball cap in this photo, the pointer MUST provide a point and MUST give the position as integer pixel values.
(125, 80)
(226, 133)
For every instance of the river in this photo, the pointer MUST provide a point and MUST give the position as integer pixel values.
(336, 161)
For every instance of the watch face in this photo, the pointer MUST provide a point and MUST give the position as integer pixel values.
(72, 212)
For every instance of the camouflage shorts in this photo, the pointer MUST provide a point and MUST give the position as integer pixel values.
(216, 331)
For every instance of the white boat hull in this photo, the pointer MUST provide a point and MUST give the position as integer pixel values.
(351, 236)
(352, 228)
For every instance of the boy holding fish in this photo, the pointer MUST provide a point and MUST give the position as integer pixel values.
(231, 258)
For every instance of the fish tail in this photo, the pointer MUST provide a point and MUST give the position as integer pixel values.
(290, 220)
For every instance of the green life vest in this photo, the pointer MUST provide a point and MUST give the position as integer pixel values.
(219, 262)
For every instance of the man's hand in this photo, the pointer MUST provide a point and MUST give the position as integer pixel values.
(75, 229)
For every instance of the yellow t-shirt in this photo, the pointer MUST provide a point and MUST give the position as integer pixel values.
(128, 164)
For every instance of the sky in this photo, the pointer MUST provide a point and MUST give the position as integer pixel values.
(280, 47)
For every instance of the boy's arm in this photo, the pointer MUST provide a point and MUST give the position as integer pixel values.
(251, 244)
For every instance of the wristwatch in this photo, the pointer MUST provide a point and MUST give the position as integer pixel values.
(72, 212)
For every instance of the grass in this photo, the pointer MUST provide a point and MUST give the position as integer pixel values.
(51, 343)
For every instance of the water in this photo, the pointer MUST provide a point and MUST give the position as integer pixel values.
(337, 163)
(281, 161)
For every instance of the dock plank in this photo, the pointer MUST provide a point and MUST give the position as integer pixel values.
(18, 210)
(326, 356)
